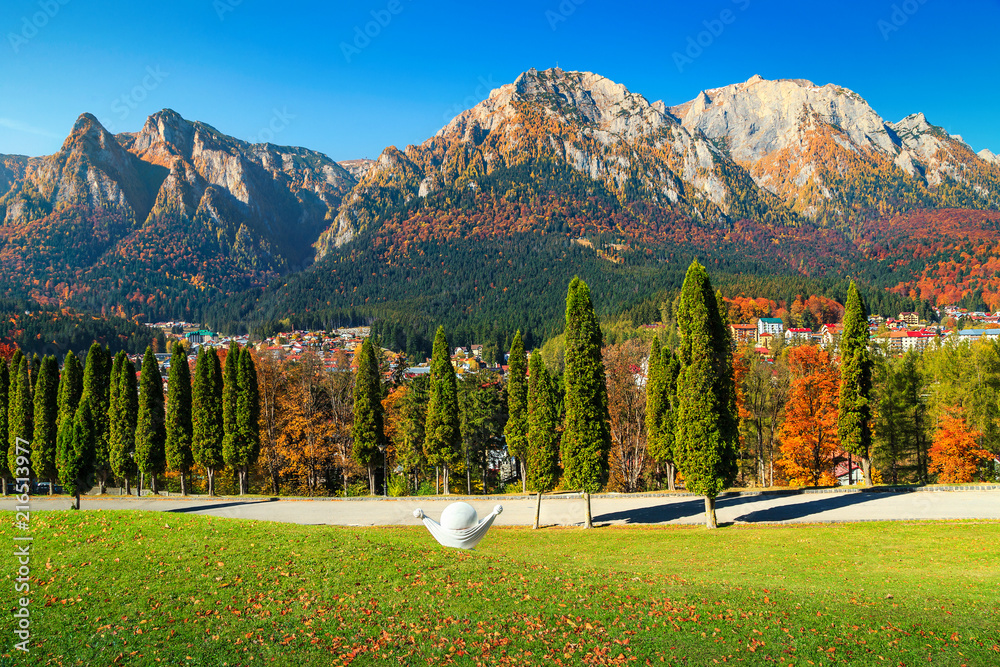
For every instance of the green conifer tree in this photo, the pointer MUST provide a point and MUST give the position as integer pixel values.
(114, 390)
(206, 415)
(70, 391)
(442, 430)
(4, 405)
(516, 430)
(122, 419)
(11, 393)
(855, 414)
(96, 381)
(230, 395)
(369, 429)
(178, 426)
(78, 462)
(586, 440)
(247, 419)
(543, 427)
(35, 371)
(43, 447)
(706, 436)
(410, 433)
(661, 405)
(150, 430)
(230, 380)
(20, 414)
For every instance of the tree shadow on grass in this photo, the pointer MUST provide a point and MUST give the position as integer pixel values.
(215, 506)
(672, 511)
(809, 508)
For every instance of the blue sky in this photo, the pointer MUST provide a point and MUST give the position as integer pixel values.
(257, 72)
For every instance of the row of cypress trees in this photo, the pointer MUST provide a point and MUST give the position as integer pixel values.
(691, 398)
(87, 424)
(92, 420)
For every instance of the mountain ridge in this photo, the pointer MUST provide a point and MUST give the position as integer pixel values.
(178, 217)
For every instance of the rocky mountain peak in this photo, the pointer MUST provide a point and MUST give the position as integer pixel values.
(914, 124)
(761, 116)
(165, 136)
(589, 101)
(88, 132)
(595, 99)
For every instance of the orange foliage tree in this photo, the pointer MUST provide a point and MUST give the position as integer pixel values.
(627, 410)
(744, 310)
(272, 387)
(809, 440)
(955, 454)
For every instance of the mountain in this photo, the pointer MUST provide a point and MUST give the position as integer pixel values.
(175, 209)
(988, 156)
(610, 139)
(829, 155)
(563, 172)
(779, 187)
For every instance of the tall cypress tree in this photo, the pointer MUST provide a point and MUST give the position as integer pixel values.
(70, 391)
(178, 426)
(729, 425)
(20, 414)
(369, 428)
(855, 413)
(122, 419)
(114, 390)
(230, 373)
(96, 380)
(4, 405)
(35, 371)
(516, 430)
(43, 447)
(247, 419)
(206, 415)
(150, 430)
(586, 441)
(12, 365)
(78, 462)
(661, 404)
(543, 427)
(442, 430)
(230, 394)
(706, 421)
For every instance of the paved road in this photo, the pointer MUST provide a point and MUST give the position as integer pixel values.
(568, 511)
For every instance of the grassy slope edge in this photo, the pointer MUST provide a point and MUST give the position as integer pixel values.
(131, 588)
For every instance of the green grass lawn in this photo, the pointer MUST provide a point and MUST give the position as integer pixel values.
(137, 588)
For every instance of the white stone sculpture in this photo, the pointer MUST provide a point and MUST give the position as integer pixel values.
(458, 527)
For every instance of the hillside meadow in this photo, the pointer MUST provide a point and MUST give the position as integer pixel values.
(118, 587)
